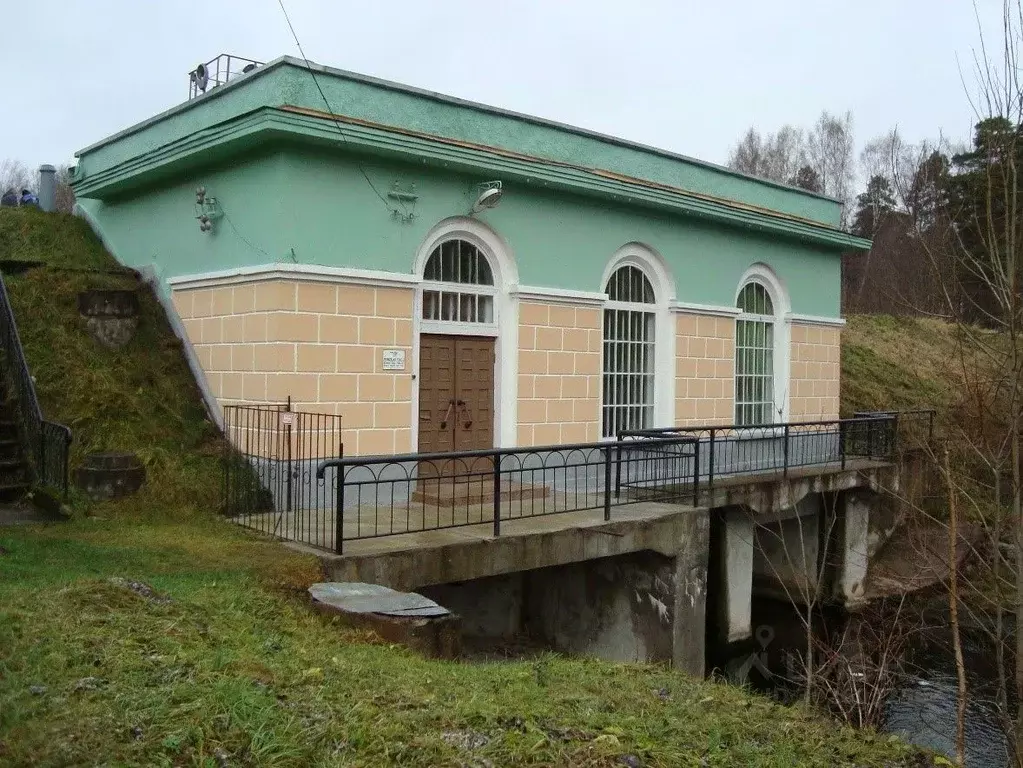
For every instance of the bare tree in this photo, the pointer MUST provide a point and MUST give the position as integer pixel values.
(830, 151)
(776, 156)
(825, 154)
(64, 201)
(976, 266)
(14, 175)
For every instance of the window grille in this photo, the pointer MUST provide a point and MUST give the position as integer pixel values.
(628, 367)
(754, 356)
(453, 263)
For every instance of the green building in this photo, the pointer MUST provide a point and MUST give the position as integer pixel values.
(447, 275)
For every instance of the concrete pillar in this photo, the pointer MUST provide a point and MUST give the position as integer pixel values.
(788, 553)
(689, 625)
(48, 188)
(616, 608)
(850, 584)
(737, 574)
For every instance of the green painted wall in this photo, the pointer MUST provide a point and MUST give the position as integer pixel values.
(287, 82)
(319, 204)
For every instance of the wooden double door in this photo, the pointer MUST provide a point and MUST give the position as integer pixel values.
(456, 394)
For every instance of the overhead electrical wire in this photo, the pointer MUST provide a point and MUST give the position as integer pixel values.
(326, 102)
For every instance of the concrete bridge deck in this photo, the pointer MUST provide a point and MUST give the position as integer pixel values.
(420, 551)
(632, 588)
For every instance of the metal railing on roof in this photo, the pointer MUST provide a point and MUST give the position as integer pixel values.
(218, 71)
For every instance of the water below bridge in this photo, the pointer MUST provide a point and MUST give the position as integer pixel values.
(921, 707)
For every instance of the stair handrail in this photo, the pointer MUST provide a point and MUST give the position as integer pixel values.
(49, 442)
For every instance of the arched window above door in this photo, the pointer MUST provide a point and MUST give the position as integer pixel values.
(458, 284)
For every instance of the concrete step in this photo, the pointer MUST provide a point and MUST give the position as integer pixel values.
(451, 492)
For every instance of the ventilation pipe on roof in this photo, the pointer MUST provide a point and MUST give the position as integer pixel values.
(48, 188)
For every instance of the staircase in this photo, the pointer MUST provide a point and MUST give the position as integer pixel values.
(33, 450)
(15, 472)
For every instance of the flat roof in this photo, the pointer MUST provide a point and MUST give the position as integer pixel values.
(446, 99)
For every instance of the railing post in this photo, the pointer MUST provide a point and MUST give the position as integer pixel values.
(785, 451)
(893, 443)
(287, 436)
(339, 509)
(696, 472)
(497, 495)
(710, 464)
(607, 479)
(618, 468)
(41, 458)
(841, 442)
(67, 461)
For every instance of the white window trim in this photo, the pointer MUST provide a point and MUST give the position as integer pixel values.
(765, 276)
(459, 327)
(653, 266)
(505, 328)
(452, 328)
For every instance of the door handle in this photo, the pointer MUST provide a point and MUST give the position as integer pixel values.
(468, 414)
(447, 413)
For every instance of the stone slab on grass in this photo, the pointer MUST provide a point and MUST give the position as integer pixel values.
(399, 617)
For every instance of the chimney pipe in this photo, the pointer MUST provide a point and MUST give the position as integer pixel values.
(48, 188)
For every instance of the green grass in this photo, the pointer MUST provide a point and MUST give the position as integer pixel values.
(237, 667)
(27, 234)
(897, 363)
(141, 398)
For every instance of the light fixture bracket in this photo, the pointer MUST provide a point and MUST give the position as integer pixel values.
(207, 210)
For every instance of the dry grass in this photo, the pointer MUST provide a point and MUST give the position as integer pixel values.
(898, 363)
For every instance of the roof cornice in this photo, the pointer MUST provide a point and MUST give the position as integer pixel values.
(362, 136)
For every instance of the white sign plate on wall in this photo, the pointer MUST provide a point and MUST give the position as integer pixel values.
(394, 360)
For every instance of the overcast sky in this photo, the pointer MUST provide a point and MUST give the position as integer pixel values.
(686, 75)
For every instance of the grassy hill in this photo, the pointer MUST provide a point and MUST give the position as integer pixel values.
(141, 398)
(232, 668)
(898, 363)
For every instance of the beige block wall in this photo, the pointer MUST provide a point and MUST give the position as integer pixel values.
(319, 343)
(559, 373)
(814, 375)
(704, 370)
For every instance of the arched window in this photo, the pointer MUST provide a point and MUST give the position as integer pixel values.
(628, 352)
(458, 284)
(754, 356)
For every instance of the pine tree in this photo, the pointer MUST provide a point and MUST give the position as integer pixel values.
(985, 199)
(873, 206)
(807, 178)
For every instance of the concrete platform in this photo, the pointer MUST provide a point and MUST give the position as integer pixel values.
(410, 560)
(384, 528)
(405, 524)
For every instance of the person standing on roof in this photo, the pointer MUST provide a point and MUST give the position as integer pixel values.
(27, 198)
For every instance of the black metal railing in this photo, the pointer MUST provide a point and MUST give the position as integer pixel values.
(390, 495)
(47, 443)
(270, 488)
(736, 449)
(914, 428)
(269, 466)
